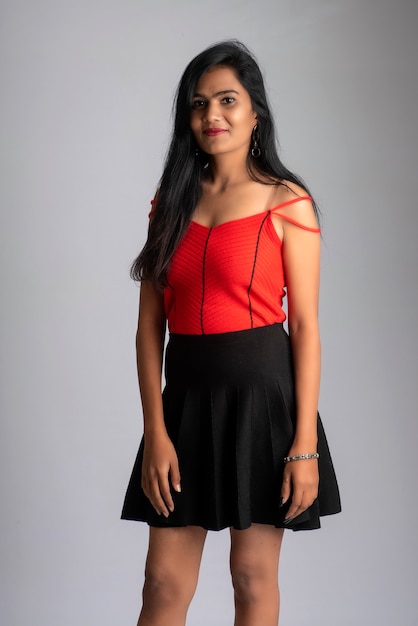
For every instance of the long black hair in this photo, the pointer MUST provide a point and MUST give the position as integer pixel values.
(180, 184)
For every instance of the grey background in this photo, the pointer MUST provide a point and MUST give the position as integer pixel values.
(86, 90)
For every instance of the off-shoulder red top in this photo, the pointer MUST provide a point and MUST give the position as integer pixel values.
(229, 277)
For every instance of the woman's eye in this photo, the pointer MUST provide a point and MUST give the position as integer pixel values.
(197, 104)
(228, 100)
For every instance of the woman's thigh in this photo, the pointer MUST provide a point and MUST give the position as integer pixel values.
(174, 555)
(255, 552)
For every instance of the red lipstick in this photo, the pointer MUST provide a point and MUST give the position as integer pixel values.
(212, 132)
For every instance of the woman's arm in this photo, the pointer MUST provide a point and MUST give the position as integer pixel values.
(160, 459)
(301, 260)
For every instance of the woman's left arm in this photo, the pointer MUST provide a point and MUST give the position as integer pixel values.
(301, 261)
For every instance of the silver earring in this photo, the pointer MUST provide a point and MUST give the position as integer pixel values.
(255, 137)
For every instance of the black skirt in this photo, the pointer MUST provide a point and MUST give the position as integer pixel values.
(229, 408)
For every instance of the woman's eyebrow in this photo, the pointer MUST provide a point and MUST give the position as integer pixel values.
(218, 93)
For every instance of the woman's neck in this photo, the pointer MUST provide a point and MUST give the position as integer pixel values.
(225, 171)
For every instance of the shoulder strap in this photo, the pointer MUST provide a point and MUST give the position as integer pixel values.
(278, 208)
(298, 199)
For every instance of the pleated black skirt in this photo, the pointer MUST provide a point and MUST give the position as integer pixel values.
(229, 408)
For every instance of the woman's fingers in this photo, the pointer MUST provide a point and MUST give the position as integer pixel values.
(286, 487)
(300, 502)
(175, 475)
(159, 464)
(156, 491)
(165, 492)
(302, 480)
(156, 487)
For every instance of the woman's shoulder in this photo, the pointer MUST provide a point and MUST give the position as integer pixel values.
(292, 202)
(287, 191)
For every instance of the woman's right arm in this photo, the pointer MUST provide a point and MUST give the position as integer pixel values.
(160, 464)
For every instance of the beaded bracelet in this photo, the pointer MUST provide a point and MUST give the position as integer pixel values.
(301, 457)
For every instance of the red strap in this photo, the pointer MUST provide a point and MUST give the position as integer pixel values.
(280, 206)
(290, 219)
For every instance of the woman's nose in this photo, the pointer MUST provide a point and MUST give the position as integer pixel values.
(212, 111)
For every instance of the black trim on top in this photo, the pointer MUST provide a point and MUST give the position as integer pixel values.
(250, 306)
(203, 280)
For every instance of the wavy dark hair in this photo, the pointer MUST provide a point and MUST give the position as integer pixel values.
(179, 188)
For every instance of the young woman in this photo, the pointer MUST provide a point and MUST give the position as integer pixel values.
(235, 440)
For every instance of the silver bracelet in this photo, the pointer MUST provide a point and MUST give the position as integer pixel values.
(301, 457)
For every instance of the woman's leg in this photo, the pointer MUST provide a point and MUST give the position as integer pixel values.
(171, 574)
(254, 568)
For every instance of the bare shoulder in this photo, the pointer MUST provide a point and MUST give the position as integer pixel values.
(292, 202)
(287, 191)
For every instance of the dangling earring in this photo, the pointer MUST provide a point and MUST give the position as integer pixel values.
(255, 138)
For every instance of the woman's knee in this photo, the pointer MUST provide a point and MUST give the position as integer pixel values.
(254, 563)
(252, 582)
(165, 588)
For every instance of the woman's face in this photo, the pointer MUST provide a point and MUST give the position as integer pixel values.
(222, 116)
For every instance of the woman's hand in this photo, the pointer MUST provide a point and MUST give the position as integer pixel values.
(160, 464)
(301, 479)
(159, 468)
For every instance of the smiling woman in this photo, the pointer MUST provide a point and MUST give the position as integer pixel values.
(222, 116)
(234, 440)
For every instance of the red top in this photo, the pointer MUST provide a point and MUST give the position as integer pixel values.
(229, 277)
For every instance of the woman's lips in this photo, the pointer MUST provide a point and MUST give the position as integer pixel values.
(212, 132)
